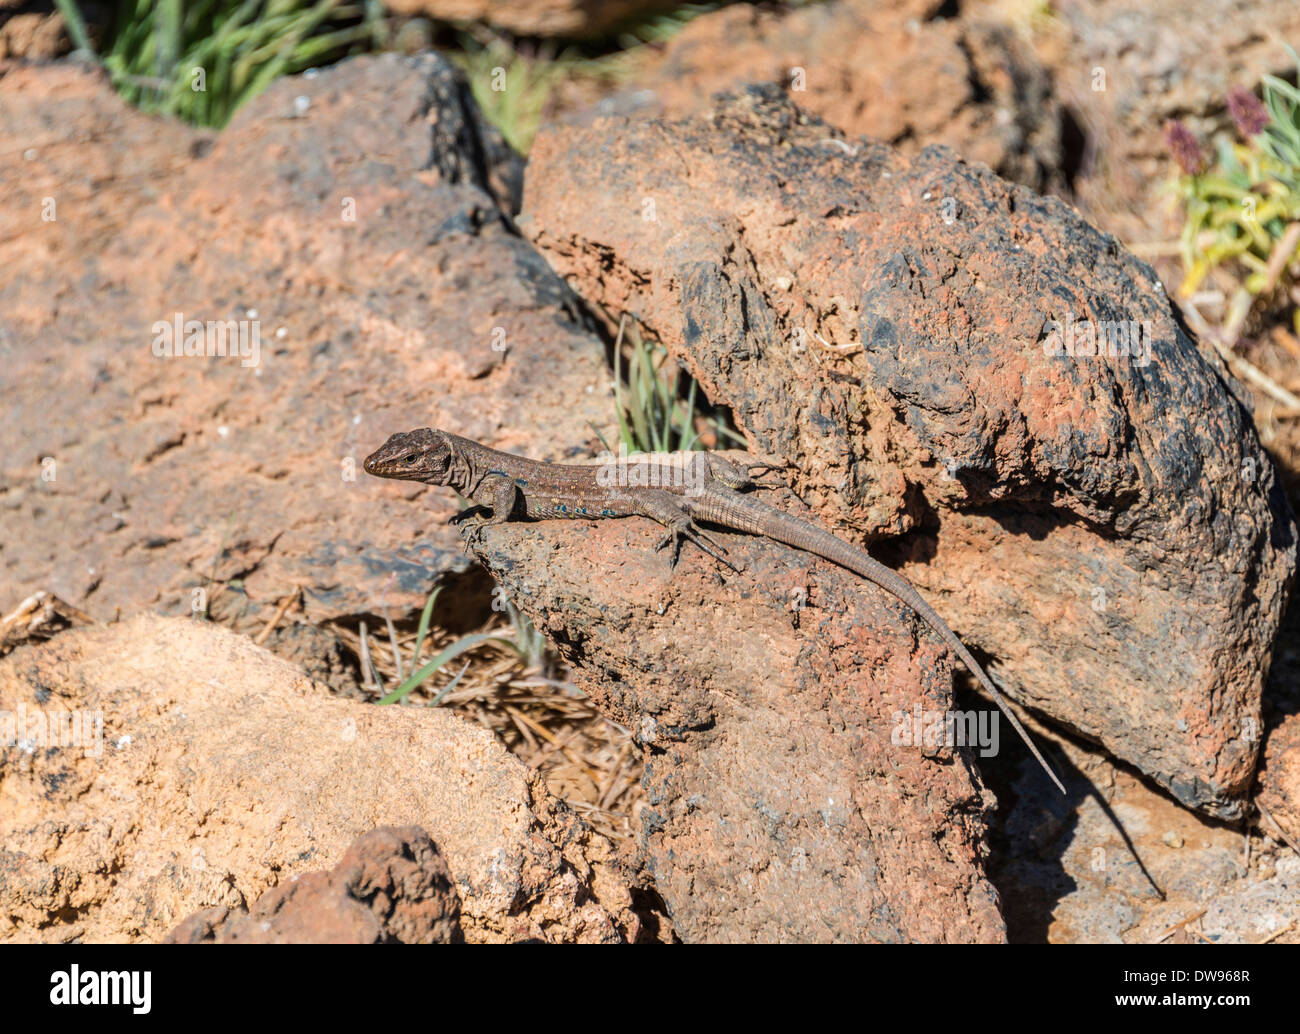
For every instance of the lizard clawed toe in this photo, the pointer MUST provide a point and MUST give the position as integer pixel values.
(755, 471)
(461, 516)
(691, 532)
(472, 533)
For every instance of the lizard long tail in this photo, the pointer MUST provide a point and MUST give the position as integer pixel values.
(775, 524)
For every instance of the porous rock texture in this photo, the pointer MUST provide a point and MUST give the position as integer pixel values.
(223, 772)
(1107, 529)
(1279, 780)
(392, 887)
(359, 217)
(906, 72)
(788, 799)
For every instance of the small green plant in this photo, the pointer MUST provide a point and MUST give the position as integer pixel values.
(524, 640)
(200, 61)
(510, 88)
(654, 414)
(420, 675)
(1243, 209)
(527, 642)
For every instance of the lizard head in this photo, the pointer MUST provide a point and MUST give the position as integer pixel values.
(420, 455)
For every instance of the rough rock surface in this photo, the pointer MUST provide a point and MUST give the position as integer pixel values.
(223, 772)
(780, 807)
(908, 73)
(130, 480)
(1279, 778)
(31, 31)
(1119, 861)
(1107, 528)
(392, 886)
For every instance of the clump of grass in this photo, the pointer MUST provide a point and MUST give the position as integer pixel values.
(1243, 205)
(523, 640)
(421, 674)
(514, 81)
(526, 641)
(513, 683)
(658, 404)
(660, 26)
(201, 61)
(512, 88)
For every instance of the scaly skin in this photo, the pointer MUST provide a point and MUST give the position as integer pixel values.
(674, 491)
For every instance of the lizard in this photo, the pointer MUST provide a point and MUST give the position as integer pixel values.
(676, 490)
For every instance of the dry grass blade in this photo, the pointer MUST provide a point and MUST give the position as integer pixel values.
(1242, 367)
(278, 616)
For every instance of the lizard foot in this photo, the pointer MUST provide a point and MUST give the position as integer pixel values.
(689, 530)
(466, 514)
(755, 471)
(471, 524)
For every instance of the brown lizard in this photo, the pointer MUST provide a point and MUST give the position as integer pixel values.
(673, 489)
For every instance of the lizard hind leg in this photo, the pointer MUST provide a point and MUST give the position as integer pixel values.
(688, 530)
(664, 508)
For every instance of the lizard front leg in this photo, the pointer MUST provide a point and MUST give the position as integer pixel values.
(737, 478)
(501, 495)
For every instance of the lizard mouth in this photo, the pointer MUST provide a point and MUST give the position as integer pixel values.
(381, 466)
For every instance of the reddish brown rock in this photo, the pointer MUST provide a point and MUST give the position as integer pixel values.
(911, 73)
(781, 807)
(134, 481)
(1108, 530)
(392, 887)
(1279, 780)
(202, 772)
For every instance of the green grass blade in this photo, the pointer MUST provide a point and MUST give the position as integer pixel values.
(423, 629)
(76, 24)
(454, 650)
